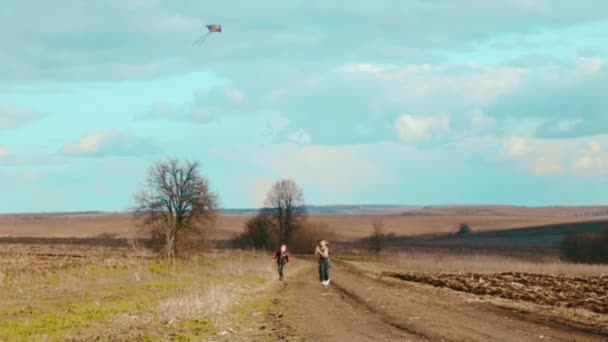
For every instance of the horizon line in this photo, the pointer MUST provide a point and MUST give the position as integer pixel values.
(413, 206)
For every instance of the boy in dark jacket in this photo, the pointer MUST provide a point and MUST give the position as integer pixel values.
(282, 258)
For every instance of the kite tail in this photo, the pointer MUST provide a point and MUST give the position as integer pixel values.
(202, 38)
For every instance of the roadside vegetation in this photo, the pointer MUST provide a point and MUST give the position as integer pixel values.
(586, 247)
(132, 295)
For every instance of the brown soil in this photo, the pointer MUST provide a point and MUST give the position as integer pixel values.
(346, 226)
(24, 259)
(586, 292)
(356, 307)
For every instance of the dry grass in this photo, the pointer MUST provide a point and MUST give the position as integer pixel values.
(116, 293)
(236, 275)
(445, 262)
(346, 226)
(95, 225)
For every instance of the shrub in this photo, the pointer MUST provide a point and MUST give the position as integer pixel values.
(259, 233)
(309, 235)
(464, 229)
(586, 247)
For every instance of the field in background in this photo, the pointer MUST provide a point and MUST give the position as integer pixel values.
(349, 222)
(51, 290)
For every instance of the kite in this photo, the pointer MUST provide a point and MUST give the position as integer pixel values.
(212, 29)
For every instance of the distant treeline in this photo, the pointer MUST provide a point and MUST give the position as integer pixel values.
(586, 247)
(593, 213)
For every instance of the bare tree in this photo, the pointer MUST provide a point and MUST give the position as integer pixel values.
(285, 204)
(259, 233)
(377, 238)
(176, 205)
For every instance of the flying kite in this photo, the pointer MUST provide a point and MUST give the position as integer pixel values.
(212, 29)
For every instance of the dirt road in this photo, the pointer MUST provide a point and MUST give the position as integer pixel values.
(356, 307)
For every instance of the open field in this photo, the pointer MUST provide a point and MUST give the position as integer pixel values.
(347, 226)
(429, 286)
(95, 225)
(71, 292)
(545, 280)
(58, 293)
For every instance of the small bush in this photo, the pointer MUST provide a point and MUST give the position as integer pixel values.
(308, 236)
(586, 247)
(259, 233)
(464, 229)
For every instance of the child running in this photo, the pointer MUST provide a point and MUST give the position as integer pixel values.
(282, 258)
(323, 251)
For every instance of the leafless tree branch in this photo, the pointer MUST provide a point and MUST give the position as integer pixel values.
(176, 205)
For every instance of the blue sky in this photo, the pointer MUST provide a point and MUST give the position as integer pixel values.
(359, 101)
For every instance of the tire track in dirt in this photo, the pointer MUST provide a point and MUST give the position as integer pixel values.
(541, 318)
(281, 329)
(347, 295)
(443, 315)
(305, 310)
(356, 307)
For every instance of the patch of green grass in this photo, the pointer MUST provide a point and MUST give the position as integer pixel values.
(56, 324)
(95, 271)
(181, 337)
(143, 338)
(16, 310)
(54, 305)
(52, 279)
(162, 285)
(84, 311)
(163, 267)
(261, 305)
(194, 330)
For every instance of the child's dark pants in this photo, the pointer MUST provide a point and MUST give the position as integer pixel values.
(280, 267)
(324, 269)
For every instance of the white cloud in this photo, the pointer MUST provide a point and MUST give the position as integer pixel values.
(12, 116)
(593, 160)
(475, 88)
(517, 146)
(31, 176)
(417, 128)
(257, 190)
(361, 68)
(480, 120)
(161, 33)
(299, 137)
(3, 152)
(589, 65)
(338, 174)
(363, 129)
(547, 165)
(537, 156)
(234, 95)
(160, 110)
(89, 143)
(566, 125)
(575, 156)
(275, 123)
(330, 168)
(109, 142)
